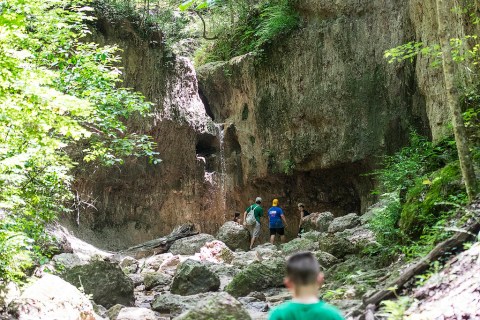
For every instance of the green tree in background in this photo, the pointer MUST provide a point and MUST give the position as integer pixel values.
(448, 52)
(58, 97)
(453, 99)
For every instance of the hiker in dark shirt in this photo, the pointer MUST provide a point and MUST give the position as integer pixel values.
(303, 214)
(236, 218)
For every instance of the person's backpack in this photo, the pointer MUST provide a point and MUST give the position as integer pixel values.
(251, 216)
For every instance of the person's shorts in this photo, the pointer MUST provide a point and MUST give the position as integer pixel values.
(280, 231)
(255, 230)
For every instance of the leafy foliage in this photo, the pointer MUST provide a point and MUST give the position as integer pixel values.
(256, 27)
(423, 181)
(57, 93)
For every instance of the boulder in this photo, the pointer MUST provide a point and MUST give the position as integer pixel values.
(113, 312)
(136, 314)
(52, 298)
(190, 245)
(216, 252)
(244, 259)
(336, 245)
(360, 236)
(312, 235)
(318, 221)
(325, 259)
(154, 262)
(193, 277)
(137, 278)
(68, 260)
(219, 306)
(348, 221)
(104, 280)
(9, 291)
(155, 279)
(234, 235)
(172, 304)
(129, 265)
(298, 245)
(257, 276)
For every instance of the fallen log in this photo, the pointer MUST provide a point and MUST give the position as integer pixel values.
(446, 246)
(160, 245)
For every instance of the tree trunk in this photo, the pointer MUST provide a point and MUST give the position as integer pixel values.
(466, 164)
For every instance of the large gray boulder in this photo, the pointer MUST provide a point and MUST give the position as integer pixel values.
(234, 235)
(219, 306)
(348, 221)
(193, 277)
(105, 281)
(336, 245)
(318, 221)
(190, 245)
(257, 276)
(51, 298)
(299, 245)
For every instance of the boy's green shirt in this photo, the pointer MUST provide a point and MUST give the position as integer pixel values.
(300, 311)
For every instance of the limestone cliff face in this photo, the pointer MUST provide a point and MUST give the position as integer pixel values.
(139, 201)
(303, 124)
(324, 98)
(430, 80)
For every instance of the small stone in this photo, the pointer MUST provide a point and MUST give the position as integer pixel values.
(113, 312)
(154, 279)
(219, 306)
(129, 265)
(136, 314)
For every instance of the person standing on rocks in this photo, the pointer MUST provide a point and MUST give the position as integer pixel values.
(277, 222)
(303, 280)
(251, 219)
(303, 214)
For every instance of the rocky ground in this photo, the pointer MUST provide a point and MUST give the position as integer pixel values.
(207, 277)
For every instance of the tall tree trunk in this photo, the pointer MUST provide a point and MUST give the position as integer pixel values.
(466, 164)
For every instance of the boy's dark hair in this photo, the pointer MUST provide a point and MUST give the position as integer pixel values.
(303, 268)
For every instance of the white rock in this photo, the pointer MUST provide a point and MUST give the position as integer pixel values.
(136, 314)
(51, 298)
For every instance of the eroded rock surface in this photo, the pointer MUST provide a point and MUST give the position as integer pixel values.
(193, 277)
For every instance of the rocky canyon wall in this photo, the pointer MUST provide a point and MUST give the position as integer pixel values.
(302, 123)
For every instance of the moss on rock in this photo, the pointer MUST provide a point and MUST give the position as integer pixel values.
(425, 201)
(257, 276)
